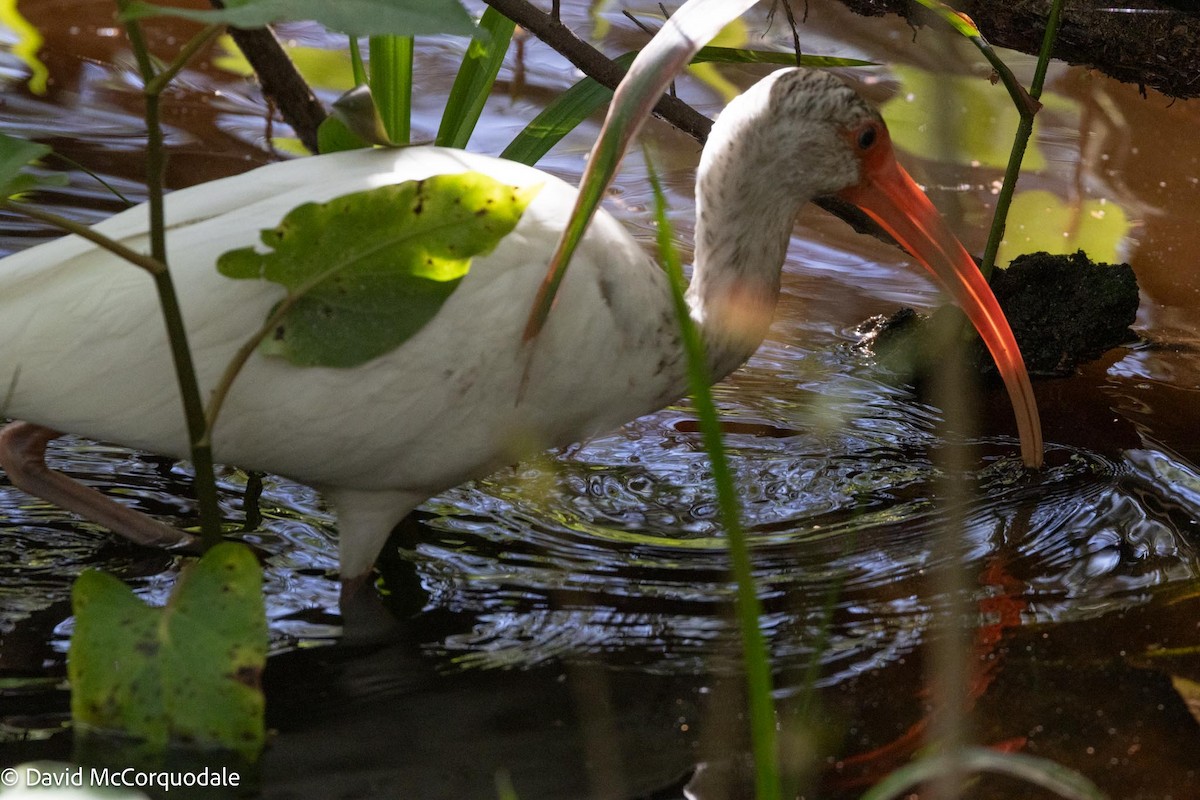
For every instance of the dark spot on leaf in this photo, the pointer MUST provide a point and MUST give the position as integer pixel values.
(248, 676)
(420, 206)
(481, 212)
(279, 333)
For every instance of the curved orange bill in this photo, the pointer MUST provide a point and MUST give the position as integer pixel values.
(890, 197)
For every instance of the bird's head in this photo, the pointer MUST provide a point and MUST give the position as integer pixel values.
(800, 134)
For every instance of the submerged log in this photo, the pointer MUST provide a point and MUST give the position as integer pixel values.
(1152, 43)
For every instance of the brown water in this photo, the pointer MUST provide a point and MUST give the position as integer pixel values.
(574, 628)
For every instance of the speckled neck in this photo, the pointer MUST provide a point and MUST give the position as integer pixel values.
(744, 219)
(775, 147)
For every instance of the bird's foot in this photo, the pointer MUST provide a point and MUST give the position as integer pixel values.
(23, 457)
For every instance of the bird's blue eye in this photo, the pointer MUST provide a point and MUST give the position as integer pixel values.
(866, 137)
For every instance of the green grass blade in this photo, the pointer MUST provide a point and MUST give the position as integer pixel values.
(786, 58)
(1063, 781)
(749, 609)
(356, 63)
(587, 97)
(668, 52)
(391, 68)
(475, 79)
(561, 117)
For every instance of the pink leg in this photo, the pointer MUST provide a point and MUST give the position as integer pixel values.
(23, 457)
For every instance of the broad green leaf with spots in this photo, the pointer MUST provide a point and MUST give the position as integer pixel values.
(186, 673)
(366, 271)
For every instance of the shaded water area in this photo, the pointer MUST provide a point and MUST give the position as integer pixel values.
(572, 628)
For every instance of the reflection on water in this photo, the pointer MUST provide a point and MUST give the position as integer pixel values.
(608, 552)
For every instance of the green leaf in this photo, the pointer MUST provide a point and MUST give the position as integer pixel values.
(391, 66)
(334, 136)
(956, 19)
(15, 155)
(359, 120)
(1039, 220)
(980, 117)
(353, 17)
(366, 271)
(116, 678)
(186, 673)
(474, 81)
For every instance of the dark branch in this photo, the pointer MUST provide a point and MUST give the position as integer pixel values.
(281, 82)
(1148, 42)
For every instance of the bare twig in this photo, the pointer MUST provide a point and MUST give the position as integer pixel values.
(280, 81)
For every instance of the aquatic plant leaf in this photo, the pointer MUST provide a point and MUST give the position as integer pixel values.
(218, 630)
(956, 19)
(333, 136)
(115, 675)
(980, 118)
(1040, 221)
(354, 117)
(353, 17)
(390, 65)
(473, 84)
(185, 673)
(366, 271)
(17, 154)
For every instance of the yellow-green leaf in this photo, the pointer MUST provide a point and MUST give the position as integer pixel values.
(188, 673)
(366, 271)
(1039, 221)
(980, 117)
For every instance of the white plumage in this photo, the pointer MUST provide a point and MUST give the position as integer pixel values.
(83, 347)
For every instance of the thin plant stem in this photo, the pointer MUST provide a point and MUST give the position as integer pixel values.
(763, 735)
(159, 82)
(1020, 142)
(151, 265)
(73, 164)
(185, 370)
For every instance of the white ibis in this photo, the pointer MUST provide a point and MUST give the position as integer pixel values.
(83, 350)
